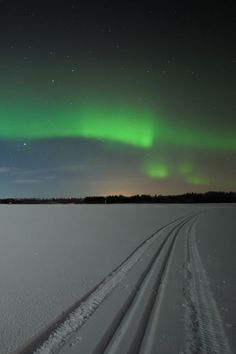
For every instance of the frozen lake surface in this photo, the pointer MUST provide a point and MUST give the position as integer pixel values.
(51, 256)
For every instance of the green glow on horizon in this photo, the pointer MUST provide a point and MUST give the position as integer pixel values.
(198, 180)
(156, 170)
(185, 168)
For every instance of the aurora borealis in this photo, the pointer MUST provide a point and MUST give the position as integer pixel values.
(124, 124)
(120, 98)
(119, 124)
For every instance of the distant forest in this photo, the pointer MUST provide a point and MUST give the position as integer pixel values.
(208, 197)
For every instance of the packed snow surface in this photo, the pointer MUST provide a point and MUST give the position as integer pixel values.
(143, 273)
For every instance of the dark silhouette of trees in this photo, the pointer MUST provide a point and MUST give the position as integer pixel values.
(208, 197)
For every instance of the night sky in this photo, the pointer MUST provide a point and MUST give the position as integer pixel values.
(116, 97)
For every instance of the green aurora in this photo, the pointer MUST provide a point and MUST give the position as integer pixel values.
(138, 127)
(185, 168)
(156, 170)
(118, 124)
(161, 170)
(198, 180)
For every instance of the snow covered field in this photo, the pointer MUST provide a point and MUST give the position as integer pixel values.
(153, 278)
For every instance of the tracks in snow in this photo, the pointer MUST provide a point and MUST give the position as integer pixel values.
(54, 336)
(138, 310)
(85, 310)
(204, 327)
(132, 314)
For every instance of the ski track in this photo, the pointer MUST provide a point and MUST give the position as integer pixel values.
(204, 330)
(136, 320)
(143, 302)
(79, 316)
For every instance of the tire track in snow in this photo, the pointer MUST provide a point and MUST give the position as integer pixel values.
(56, 334)
(204, 326)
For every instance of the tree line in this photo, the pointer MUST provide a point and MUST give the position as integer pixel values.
(208, 197)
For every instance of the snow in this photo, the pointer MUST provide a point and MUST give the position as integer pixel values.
(51, 256)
